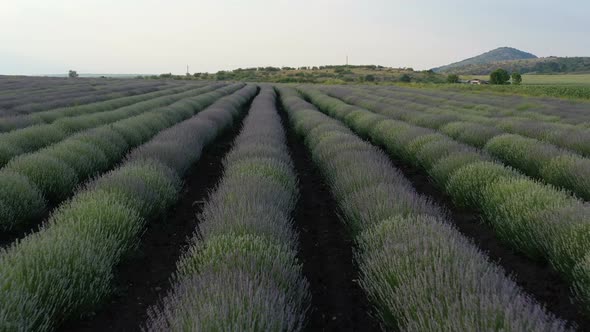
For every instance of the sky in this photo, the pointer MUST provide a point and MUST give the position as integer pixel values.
(157, 36)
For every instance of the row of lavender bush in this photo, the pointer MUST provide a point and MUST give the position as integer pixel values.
(241, 272)
(66, 269)
(535, 158)
(24, 100)
(31, 182)
(419, 271)
(23, 121)
(536, 219)
(568, 136)
(35, 137)
(549, 110)
(32, 102)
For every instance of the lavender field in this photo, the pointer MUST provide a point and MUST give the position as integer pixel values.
(170, 205)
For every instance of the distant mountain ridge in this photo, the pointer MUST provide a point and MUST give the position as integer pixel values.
(496, 55)
(548, 65)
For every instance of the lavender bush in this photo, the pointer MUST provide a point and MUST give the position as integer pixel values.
(420, 272)
(66, 268)
(241, 272)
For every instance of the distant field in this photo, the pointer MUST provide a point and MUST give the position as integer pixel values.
(570, 79)
(557, 79)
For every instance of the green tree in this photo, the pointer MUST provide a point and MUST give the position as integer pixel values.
(370, 78)
(72, 74)
(453, 78)
(499, 76)
(221, 75)
(516, 78)
(405, 78)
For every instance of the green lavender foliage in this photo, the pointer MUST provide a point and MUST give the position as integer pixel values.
(241, 272)
(56, 170)
(419, 272)
(66, 268)
(524, 212)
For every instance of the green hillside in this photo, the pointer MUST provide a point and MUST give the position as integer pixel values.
(499, 54)
(548, 65)
(330, 74)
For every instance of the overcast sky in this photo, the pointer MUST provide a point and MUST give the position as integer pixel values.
(153, 36)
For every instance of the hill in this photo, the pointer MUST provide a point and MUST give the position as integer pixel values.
(548, 65)
(338, 74)
(497, 55)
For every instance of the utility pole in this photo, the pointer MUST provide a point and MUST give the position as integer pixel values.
(187, 72)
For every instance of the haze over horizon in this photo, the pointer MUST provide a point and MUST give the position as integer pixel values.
(153, 36)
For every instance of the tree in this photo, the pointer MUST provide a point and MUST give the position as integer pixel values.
(453, 78)
(221, 75)
(72, 74)
(370, 78)
(499, 76)
(516, 78)
(405, 78)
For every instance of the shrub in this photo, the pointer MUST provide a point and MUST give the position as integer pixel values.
(266, 167)
(581, 281)
(536, 219)
(242, 271)
(8, 151)
(420, 272)
(453, 78)
(565, 237)
(413, 146)
(148, 187)
(466, 186)
(66, 268)
(20, 200)
(444, 168)
(499, 76)
(405, 78)
(433, 121)
(54, 178)
(512, 206)
(526, 154)
(86, 159)
(28, 140)
(432, 152)
(516, 78)
(111, 143)
(570, 172)
(470, 133)
(403, 277)
(239, 296)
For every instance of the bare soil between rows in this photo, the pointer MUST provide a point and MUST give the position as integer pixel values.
(326, 250)
(144, 278)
